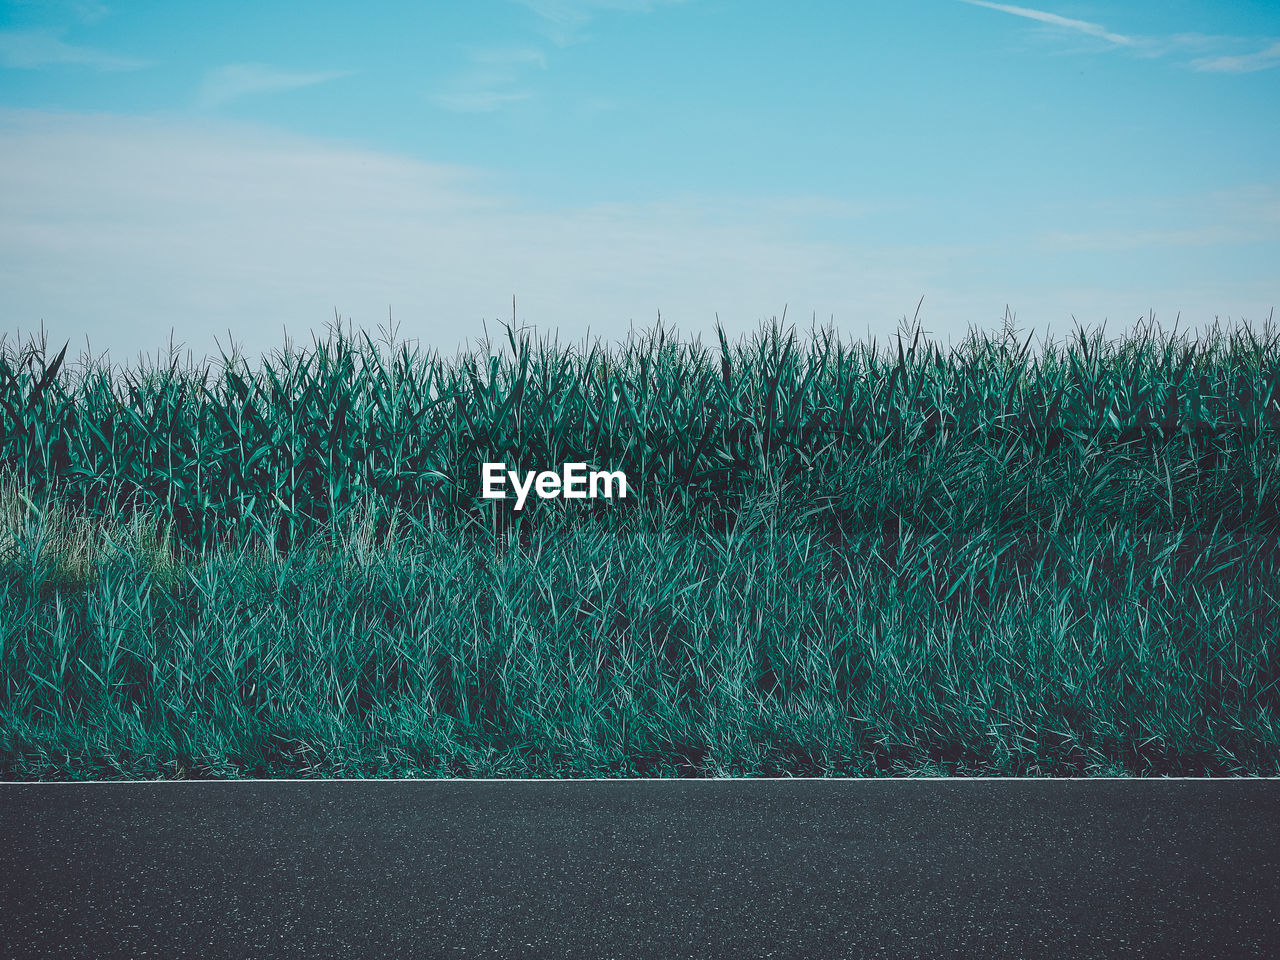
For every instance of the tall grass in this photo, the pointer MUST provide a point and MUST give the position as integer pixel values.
(836, 559)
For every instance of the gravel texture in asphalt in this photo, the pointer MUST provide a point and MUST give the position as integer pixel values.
(636, 869)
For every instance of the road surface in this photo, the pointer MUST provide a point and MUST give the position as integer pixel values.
(699, 869)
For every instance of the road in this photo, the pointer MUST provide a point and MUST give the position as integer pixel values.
(636, 869)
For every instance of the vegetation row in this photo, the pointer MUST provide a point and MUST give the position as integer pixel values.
(836, 560)
(295, 445)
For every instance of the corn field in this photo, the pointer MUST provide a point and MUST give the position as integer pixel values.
(835, 559)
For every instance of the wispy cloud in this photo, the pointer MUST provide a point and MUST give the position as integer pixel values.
(496, 76)
(32, 49)
(508, 56)
(1100, 240)
(565, 19)
(88, 11)
(491, 80)
(479, 101)
(84, 11)
(290, 228)
(569, 11)
(1248, 63)
(244, 79)
(1150, 47)
(1180, 45)
(1080, 26)
(1240, 215)
(1208, 53)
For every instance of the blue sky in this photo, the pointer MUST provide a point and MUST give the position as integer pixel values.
(236, 170)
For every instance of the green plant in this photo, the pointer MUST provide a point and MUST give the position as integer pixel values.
(838, 560)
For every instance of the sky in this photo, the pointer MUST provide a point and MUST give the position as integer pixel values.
(242, 174)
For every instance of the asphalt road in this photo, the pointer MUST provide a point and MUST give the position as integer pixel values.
(700, 869)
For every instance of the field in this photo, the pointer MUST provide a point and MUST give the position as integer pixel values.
(835, 559)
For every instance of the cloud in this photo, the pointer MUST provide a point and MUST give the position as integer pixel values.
(1138, 239)
(84, 11)
(509, 56)
(214, 225)
(89, 11)
(578, 11)
(1240, 215)
(479, 101)
(121, 228)
(564, 20)
(491, 80)
(1081, 26)
(244, 79)
(1151, 47)
(495, 76)
(1256, 204)
(32, 49)
(1179, 44)
(1248, 63)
